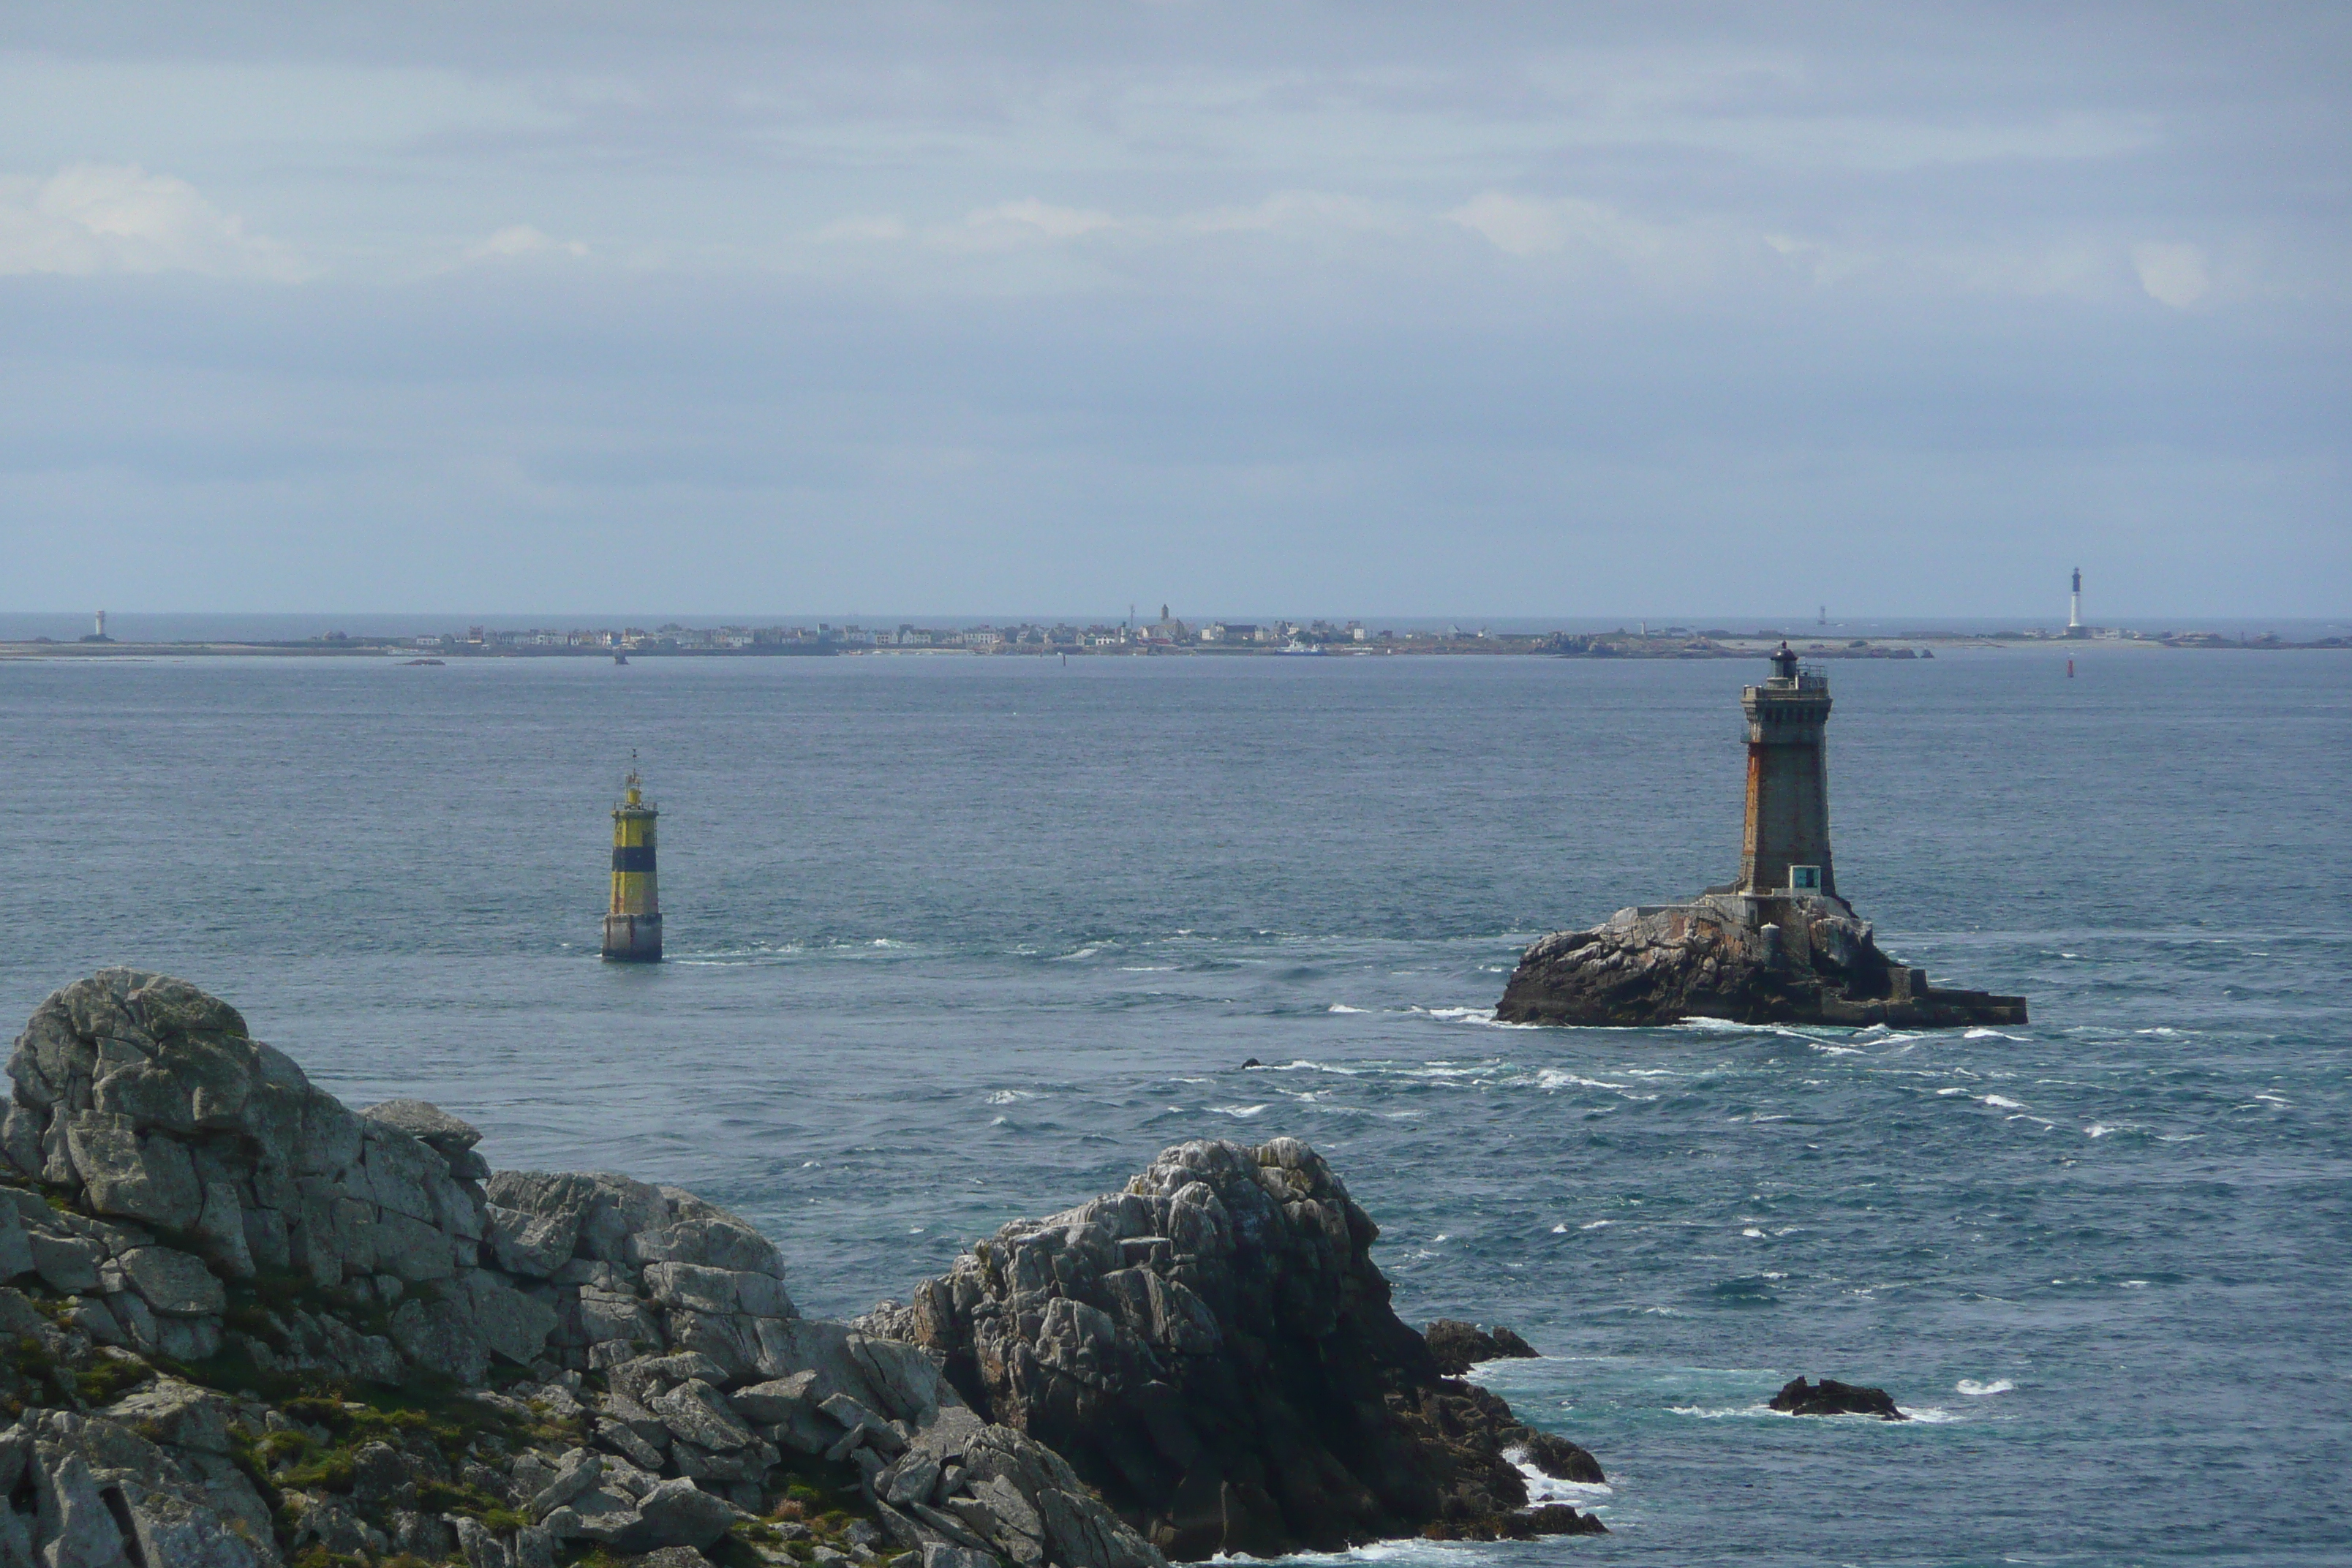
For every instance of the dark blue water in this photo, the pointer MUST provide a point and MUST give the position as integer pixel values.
(956, 940)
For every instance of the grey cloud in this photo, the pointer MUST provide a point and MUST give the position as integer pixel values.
(946, 305)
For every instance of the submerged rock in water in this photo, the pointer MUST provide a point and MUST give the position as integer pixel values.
(1456, 1347)
(1800, 958)
(1214, 1352)
(193, 1231)
(1831, 1397)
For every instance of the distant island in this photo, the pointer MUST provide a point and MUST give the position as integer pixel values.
(1166, 636)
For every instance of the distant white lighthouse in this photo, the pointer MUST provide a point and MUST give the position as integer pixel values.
(2075, 627)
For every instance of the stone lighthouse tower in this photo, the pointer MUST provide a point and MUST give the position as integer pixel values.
(1786, 845)
(633, 925)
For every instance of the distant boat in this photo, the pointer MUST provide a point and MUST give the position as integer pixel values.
(620, 658)
(1299, 647)
(417, 661)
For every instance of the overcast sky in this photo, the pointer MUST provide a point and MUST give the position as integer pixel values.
(1354, 309)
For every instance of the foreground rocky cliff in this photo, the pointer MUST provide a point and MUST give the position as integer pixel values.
(251, 1326)
(1214, 1351)
(250, 1323)
(1789, 959)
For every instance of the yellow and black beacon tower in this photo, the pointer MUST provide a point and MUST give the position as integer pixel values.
(632, 924)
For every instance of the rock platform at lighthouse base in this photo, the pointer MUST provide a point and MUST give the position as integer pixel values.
(1791, 958)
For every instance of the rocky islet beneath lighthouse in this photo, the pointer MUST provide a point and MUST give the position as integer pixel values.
(1777, 945)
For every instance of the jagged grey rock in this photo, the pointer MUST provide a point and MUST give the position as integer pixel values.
(174, 1282)
(171, 1158)
(1215, 1352)
(1792, 959)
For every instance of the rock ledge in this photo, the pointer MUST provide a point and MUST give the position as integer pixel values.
(1797, 958)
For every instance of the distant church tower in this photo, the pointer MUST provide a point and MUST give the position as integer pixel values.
(1788, 821)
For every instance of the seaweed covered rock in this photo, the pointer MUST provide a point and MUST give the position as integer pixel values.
(1796, 958)
(252, 1324)
(1215, 1353)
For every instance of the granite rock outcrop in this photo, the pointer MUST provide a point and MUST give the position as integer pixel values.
(1215, 1353)
(1456, 1346)
(252, 1324)
(1831, 1397)
(1793, 958)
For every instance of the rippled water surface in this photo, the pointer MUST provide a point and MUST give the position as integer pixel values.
(956, 940)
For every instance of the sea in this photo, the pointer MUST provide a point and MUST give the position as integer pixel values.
(956, 941)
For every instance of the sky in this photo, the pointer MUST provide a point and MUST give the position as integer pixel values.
(1283, 307)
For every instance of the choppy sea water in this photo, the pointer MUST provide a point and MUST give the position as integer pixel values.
(958, 941)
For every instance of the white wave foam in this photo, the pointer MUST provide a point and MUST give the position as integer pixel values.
(1243, 1111)
(1543, 1489)
(1343, 1007)
(1925, 1412)
(1596, 1224)
(1008, 1096)
(2003, 1102)
(1975, 1390)
(1556, 1078)
(1989, 1035)
(1484, 1016)
(1073, 957)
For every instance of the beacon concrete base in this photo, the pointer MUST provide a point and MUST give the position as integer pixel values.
(632, 939)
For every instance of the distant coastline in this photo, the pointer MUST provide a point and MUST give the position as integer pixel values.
(1164, 637)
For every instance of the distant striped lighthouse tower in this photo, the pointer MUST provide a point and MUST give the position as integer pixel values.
(2075, 627)
(633, 925)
